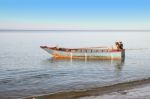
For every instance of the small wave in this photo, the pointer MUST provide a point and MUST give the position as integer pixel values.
(17, 80)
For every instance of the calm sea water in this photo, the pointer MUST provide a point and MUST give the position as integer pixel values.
(26, 70)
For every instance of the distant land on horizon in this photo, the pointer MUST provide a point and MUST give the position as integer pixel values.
(86, 30)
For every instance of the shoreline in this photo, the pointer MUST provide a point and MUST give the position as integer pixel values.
(139, 92)
(99, 91)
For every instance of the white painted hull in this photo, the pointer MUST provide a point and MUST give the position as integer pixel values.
(103, 54)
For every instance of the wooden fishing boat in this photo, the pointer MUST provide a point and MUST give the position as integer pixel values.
(86, 53)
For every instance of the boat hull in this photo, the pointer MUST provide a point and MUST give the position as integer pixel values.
(103, 55)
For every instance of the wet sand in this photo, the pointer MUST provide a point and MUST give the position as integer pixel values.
(137, 89)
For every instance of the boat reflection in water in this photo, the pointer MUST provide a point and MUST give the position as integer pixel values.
(117, 64)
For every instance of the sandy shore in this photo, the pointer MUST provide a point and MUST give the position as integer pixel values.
(140, 92)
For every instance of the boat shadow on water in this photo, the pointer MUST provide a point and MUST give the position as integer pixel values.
(117, 64)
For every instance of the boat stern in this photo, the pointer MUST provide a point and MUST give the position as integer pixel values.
(118, 55)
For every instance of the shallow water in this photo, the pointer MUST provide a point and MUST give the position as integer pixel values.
(26, 70)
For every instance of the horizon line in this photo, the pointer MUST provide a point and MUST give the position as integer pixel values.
(98, 30)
